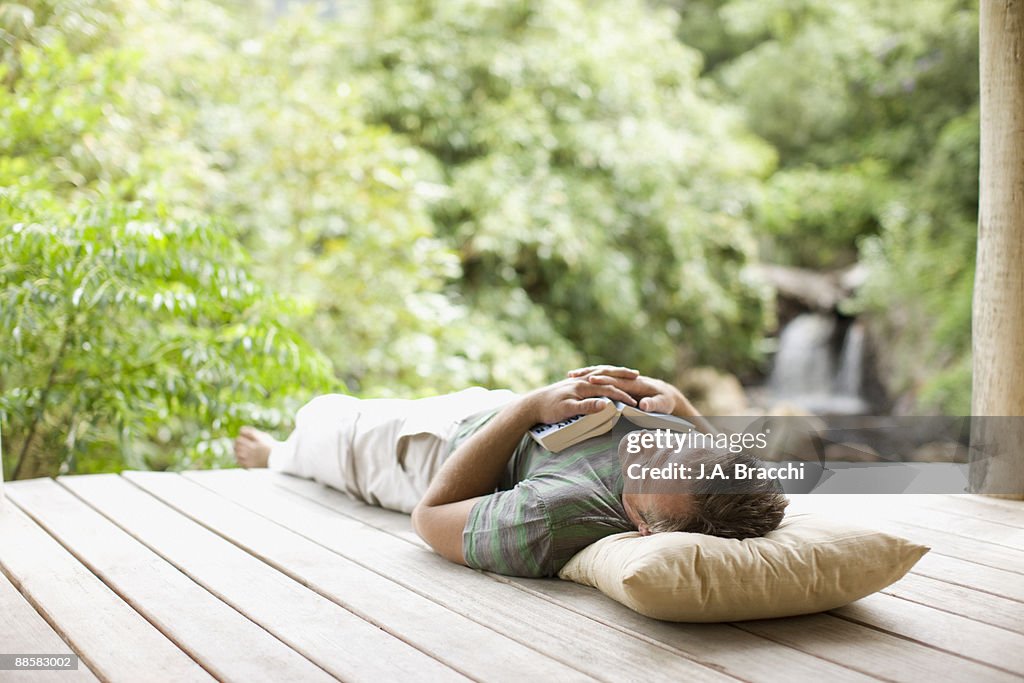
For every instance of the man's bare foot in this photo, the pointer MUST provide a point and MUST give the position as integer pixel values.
(252, 447)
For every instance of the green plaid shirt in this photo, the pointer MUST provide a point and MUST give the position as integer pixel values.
(549, 506)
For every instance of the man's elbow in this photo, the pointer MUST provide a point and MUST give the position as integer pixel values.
(436, 526)
(425, 522)
(417, 520)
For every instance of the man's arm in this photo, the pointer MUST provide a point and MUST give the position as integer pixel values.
(475, 468)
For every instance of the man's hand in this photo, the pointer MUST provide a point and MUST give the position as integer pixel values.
(608, 370)
(652, 395)
(573, 396)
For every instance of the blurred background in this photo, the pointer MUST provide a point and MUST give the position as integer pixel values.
(211, 211)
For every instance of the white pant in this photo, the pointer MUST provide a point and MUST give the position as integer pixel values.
(381, 451)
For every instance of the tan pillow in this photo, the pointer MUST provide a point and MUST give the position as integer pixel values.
(809, 564)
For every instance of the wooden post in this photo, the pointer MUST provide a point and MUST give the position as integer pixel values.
(998, 329)
(1, 468)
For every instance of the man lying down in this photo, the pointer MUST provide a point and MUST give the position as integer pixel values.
(483, 493)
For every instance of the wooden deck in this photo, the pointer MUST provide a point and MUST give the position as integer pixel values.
(251, 576)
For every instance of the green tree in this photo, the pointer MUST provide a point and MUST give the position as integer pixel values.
(135, 335)
(434, 194)
(462, 198)
(335, 207)
(872, 107)
(592, 176)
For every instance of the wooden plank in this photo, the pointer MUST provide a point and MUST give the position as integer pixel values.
(598, 650)
(977, 605)
(875, 653)
(733, 650)
(87, 615)
(953, 633)
(968, 574)
(463, 644)
(976, 507)
(228, 645)
(729, 650)
(948, 513)
(933, 594)
(869, 511)
(395, 523)
(1011, 504)
(323, 632)
(24, 631)
(924, 658)
(990, 532)
(978, 551)
(962, 636)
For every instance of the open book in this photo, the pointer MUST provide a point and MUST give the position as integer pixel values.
(560, 435)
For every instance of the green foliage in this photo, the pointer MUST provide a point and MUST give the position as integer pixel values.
(922, 266)
(134, 334)
(512, 219)
(444, 194)
(815, 215)
(835, 82)
(929, 295)
(138, 336)
(436, 194)
(335, 208)
(590, 174)
(873, 108)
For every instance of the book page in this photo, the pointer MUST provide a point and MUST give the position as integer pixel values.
(647, 420)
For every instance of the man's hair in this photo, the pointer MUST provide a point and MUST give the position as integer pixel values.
(727, 508)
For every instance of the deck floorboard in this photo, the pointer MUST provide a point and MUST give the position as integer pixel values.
(86, 613)
(24, 631)
(337, 640)
(240, 575)
(719, 645)
(600, 651)
(466, 645)
(955, 599)
(922, 642)
(224, 641)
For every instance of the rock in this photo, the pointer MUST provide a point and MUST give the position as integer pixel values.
(816, 290)
(785, 409)
(713, 392)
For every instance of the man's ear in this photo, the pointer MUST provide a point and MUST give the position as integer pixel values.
(643, 529)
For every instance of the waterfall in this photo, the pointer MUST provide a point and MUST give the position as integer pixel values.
(804, 364)
(850, 376)
(809, 373)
